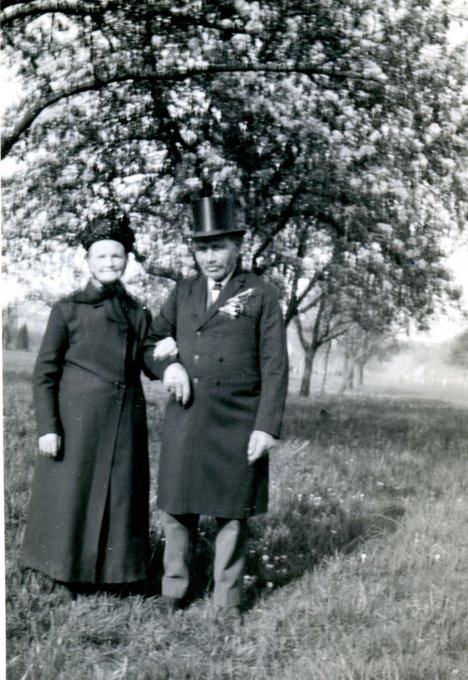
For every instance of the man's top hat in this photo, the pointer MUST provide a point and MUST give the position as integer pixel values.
(214, 217)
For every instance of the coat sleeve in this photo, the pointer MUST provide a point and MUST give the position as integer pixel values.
(142, 347)
(164, 325)
(48, 371)
(273, 366)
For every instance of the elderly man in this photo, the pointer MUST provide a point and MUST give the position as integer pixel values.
(228, 384)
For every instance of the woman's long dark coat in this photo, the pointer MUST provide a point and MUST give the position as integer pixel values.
(88, 515)
(239, 371)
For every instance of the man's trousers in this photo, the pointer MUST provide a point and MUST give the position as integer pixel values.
(229, 562)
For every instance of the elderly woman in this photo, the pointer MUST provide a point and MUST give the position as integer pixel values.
(88, 515)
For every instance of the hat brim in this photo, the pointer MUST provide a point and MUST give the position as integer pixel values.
(218, 233)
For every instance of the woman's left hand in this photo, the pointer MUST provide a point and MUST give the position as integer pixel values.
(165, 349)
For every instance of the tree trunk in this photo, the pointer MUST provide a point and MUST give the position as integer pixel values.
(360, 368)
(304, 390)
(325, 367)
(348, 374)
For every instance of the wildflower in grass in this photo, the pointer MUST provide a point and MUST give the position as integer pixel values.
(269, 584)
(265, 558)
(363, 557)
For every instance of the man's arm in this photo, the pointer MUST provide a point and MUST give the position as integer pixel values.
(164, 326)
(273, 366)
(164, 364)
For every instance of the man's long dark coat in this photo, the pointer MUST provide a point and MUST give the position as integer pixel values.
(238, 371)
(88, 515)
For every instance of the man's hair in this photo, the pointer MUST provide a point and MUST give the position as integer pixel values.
(235, 238)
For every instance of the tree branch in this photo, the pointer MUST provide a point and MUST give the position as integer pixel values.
(161, 272)
(281, 224)
(300, 334)
(147, 75)
(20, 10)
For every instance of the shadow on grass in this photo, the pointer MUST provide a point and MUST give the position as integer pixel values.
(284, 546)
(364, 419)
(291, 543)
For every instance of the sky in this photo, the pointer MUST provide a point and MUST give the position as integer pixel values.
(447, 327)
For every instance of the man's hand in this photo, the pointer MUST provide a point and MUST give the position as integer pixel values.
(176, 381)
(259, 444)
(49, 445)
(165, 349)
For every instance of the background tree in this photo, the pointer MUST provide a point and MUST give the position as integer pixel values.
(458, 351)
(9, 325)
(338, 125)
(22, 338)
(359, 348)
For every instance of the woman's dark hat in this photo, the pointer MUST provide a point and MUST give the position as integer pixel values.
(112, 226)
(214, 217)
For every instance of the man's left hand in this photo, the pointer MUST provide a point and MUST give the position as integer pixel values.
(259, 444)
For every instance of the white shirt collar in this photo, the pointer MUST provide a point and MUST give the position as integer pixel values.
(211, 282)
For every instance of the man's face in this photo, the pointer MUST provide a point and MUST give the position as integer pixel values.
(216, 257)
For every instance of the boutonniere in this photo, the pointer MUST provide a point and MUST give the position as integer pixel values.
(237, 305)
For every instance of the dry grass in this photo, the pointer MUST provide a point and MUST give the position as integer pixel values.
(359, 572)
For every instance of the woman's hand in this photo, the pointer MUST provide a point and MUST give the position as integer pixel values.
(165, 349)
(49, 445)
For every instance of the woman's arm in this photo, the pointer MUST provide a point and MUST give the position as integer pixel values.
(48, 371)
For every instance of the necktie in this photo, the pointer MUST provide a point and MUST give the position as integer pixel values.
(214, 293)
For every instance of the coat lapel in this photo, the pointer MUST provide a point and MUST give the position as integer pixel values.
(232, 287)
(199, 293)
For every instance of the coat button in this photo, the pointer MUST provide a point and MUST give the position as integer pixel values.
(196, 380)
(196, 357)
(198, 333)
(221, 359)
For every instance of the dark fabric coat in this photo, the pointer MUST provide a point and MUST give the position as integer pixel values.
(88, 514)
(238, 370)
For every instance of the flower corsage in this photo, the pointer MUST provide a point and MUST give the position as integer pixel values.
(237, 304)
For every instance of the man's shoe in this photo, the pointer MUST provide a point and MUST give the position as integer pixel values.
(169, 605)
(228, 618)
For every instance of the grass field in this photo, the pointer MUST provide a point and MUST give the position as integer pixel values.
(359, 571)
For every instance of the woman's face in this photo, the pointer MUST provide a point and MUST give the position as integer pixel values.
(106, 261)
